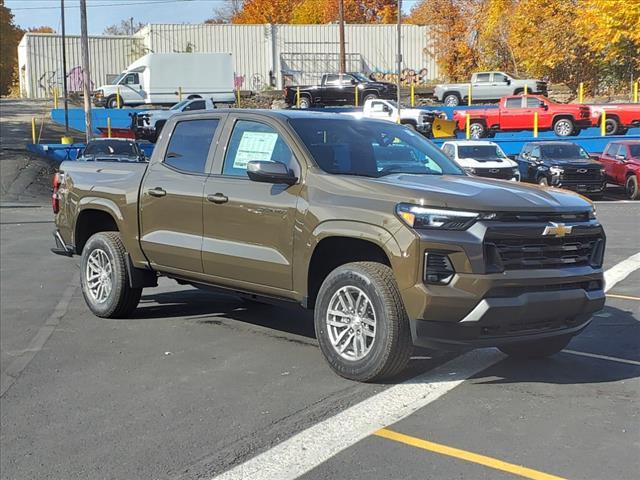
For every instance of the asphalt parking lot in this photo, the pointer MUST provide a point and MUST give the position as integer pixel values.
(197, 384)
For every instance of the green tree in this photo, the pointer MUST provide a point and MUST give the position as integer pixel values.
(10, 36)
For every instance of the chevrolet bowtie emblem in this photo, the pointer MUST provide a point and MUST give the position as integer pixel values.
(557, 230)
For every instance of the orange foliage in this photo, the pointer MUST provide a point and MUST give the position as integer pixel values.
(266, 11)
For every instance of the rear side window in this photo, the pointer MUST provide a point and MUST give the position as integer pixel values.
(255, 141)
(483, 77)
(514, 102)
(189, 145)
(195, 105)
(332, 80)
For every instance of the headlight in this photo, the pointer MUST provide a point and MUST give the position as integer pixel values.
(602, 171)
(469, 170)
(424, 217)
(556, 170)
(592, 214)
(515, 170)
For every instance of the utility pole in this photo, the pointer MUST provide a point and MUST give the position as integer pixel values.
(64, 72)
(343, 59)
(131, 26)
(86, 76)
(399, 53)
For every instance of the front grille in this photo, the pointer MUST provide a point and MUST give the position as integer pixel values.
(501, 173)
(523, 253)
(581, 175)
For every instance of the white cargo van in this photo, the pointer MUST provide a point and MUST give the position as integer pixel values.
(162, 78)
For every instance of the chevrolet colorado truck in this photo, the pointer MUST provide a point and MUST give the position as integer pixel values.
(364, 221)
(486, 86)
(621, 162)
(339, 89)
(517, 113)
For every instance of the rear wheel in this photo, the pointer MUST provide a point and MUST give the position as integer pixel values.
(631, 187)
(361, 323)
(536, 348)
(104, 277)
(451, 100)
(563, 127)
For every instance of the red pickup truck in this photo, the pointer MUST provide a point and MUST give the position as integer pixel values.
(619, 117)
(517, 113)
(621, 161)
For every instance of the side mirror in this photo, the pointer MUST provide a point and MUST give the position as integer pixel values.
(79, 153)
(270, 172)
(353, 82)
(545, 106)
(620, 157)
(533, 158)
(508, 81)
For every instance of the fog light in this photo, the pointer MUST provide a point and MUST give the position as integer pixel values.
(438, 269)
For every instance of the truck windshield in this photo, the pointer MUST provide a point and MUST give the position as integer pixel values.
(562, 151)
(118, 78)
(370, 148)
(481, 152)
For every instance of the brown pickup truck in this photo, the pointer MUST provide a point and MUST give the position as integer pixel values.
(364, 221)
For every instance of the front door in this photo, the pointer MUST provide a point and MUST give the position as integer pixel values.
(131, 90)
(171, 197)
(249, 226)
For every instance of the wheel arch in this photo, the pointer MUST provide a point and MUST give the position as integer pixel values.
(93, 218)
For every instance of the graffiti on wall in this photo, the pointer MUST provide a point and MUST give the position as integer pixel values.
(408, 76)
(52, 79)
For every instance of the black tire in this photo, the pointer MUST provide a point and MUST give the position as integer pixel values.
(122, 300)
(369, 96)
(391, 346)
(477, 129)
(563, 127)
(536, 348)
(112, 102)
(410, 125)
(611, 126)
(631, 187)
(305, 102)
(519, 91)
(543, 181)
(451, 100)
(159, 126)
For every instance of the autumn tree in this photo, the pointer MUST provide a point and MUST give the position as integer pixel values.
(10, 35)
(266, 11)
(226, 12)
(127, 26)
(355, 11)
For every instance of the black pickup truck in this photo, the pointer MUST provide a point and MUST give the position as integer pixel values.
(339, 89)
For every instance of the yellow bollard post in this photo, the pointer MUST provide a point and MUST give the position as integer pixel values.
(108, 127)
(581, 92)
(238, 96)
(469, 95)
(298, 97)
(535, 124)
(118, 97)
(526, 89)
(179, 94)
(603, 123)
(355, 89)
(33, 130)
(55, 97)
(413, 95)
(635, 92)
(468, 126)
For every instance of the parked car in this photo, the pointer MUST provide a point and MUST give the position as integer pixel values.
(561, 164)
(487, 86)
(111, 150)
(619, 117)
(340, 89)
(160, 79)
(517, 113)
(366, 222)
(416, 118)
(621, 161)
(482, 158)
(148, 124)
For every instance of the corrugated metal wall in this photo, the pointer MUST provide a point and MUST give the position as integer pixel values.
(260, 52)
(40, 61)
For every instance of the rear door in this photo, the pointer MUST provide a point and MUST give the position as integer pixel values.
(171, 196)
(481, 87)
(249, 226)
(514, 115)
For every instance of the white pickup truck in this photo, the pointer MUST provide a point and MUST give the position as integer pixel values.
(420, 120)
(147, 125)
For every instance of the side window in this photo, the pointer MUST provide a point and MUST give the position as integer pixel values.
(514, 102)
(499, 78)
(525, 151)
(483, 77)
(533, 102)
(189, 145)
(131, 79)
(332, 80)
(195, 105)
(535, 152)
(255, 141)
(347, 79)
(448, 151)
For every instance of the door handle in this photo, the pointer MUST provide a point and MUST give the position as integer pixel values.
(157, 192)
(217, 198)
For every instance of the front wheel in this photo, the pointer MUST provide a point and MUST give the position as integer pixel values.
(611, 126)
(536, 348)
(543, 182)
(104, 277)
(361, 323)
(370, 96)
(305, 102)
(477, 130)
(631, 187)
(112, 101)
(563, 127)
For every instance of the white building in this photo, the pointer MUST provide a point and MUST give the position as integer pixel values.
(264, 55)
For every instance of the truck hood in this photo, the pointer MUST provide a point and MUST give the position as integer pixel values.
(469, 193)
(571, 162)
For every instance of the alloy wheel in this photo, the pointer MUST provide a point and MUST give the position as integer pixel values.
(99, 275)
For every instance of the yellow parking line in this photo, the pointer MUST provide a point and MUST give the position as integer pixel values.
(623, 297)
(464, 455)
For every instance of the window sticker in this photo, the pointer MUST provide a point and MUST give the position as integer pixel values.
(255, 146)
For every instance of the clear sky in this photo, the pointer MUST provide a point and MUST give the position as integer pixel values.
(102, 13)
